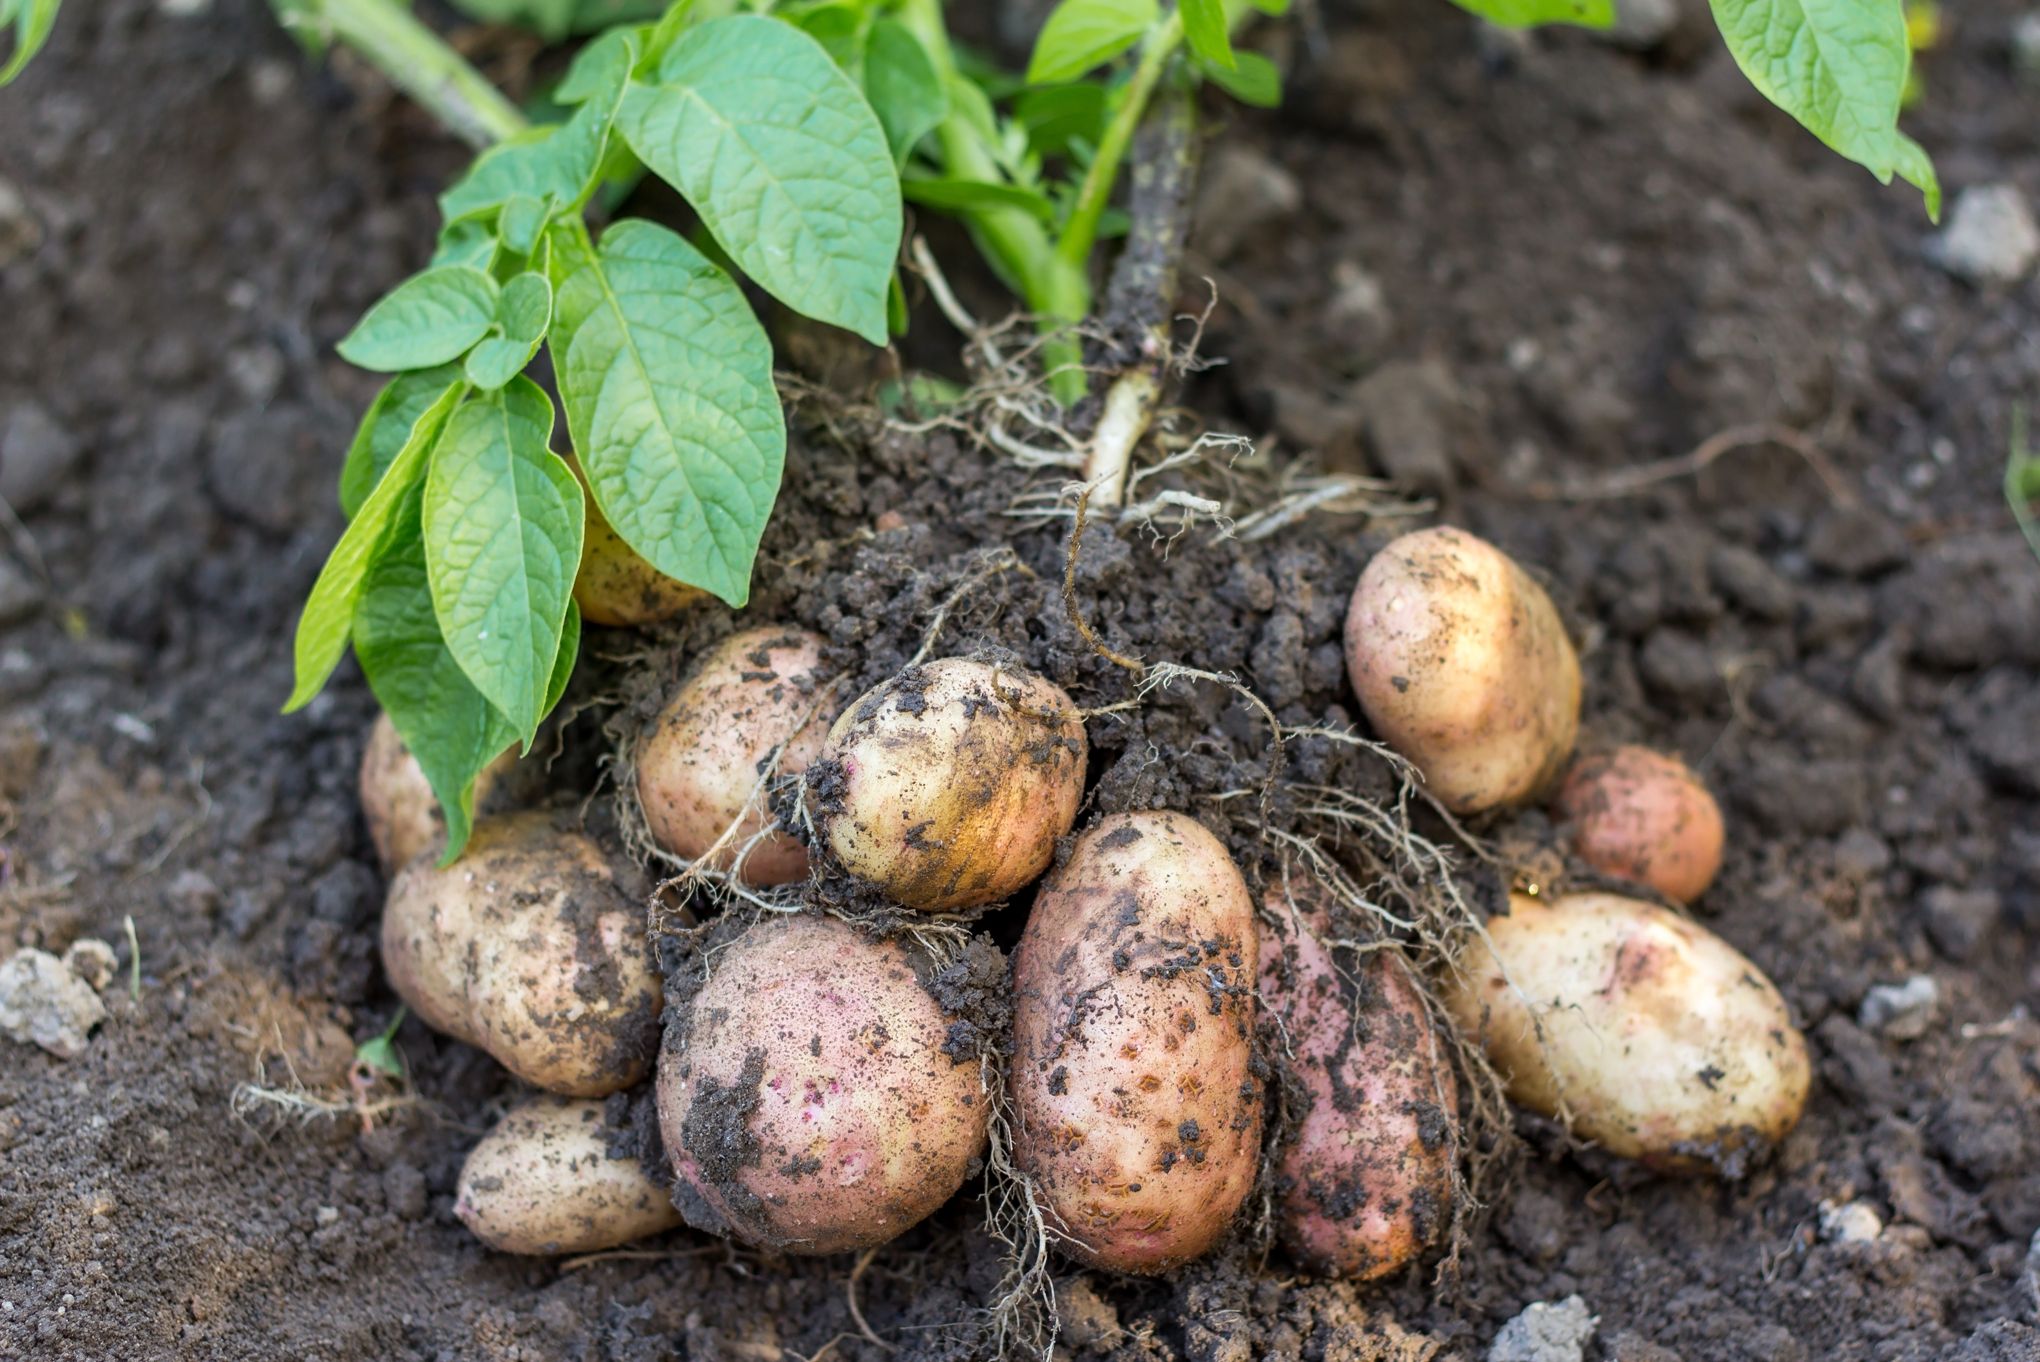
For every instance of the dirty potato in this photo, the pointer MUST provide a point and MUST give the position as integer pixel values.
(544, 1181)
(1644, 816)
(402, 812)
(1462, 665)
(616, 587)
(1136, 1104)
(526, 948)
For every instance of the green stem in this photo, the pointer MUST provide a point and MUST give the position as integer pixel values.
(415, 59)
(1080, 233)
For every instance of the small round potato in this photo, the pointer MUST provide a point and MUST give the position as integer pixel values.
(1136, 1107)
(403, 815)
(806, 1097)
(544, 1181)
(947, 786)
(697, 768)
(1643, 816)
(1659, 1040)
(1462, 665)
(526, 948)
(1366, 1180)
(616, 587)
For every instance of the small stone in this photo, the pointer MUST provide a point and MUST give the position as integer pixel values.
(1856, 1222)
(93, 961)
(44, 1003)
(20, 596)
(1990, 237)
(1245, 194)
(1901, 1011)
(1546, 1333)
(36, 452)
(1959, 920)
(326, 1215)
(1853, 542)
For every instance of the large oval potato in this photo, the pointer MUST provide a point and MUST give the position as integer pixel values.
(615, 587)
(1644, 816)
(1462, 665)
(947, 786)
(1136, 1107)
(543, 1181)
(1658, 1039)
(526, 948)
(805, 1094)
(697, 768)
(1365, 1180)
(402, 812)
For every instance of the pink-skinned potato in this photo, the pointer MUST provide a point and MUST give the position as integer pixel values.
(402, 812)
(527, 948)
(807, 1094)
(1658, 1040)
(1365, 1180)
(1644, 816)
(1136, 1103)
(946, 786)
(698, 765)
(544, 1180)
(1462, 665)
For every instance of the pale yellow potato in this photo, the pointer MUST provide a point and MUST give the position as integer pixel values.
(526, 948)
(805, 1096)
(1653, 1036)
(947, 786)
(1644, 816)
(1462, 665)
(543, 1181)
(616, 587)
(402, 812)
(1364, 1183)
(697, 767)
(1136, 1109)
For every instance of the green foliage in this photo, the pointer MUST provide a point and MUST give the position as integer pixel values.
(1531, 13)
(2022, 481)
(386, 428)
(430, 318)
(32, 21)
(1081, 35)
(556, 19)
(1252, 79)
(903, 86)
(1208, 31)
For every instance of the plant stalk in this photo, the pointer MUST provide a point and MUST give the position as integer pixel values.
(1080, 233)
(415, 59)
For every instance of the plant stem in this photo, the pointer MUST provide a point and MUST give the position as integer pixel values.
(1080, 233)
(415, 59)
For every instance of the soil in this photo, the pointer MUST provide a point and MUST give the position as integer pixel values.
(1508, 270)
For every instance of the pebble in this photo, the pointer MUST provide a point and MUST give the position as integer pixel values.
(1901, 1011)
(36, 452)
(1545, 1332)
(1990, 237)
(1855, 1222)
(93, 961)
(43, 1002)
(1959, 920)
(1244, 195)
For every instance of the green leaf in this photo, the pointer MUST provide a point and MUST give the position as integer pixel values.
(556, 19)
(840, 29)
(903, 85)
(557, 165)
(503, 525)
(1839, 67)
(329, 611)
(387, 427)
(523, 313)
(1253, 80)
(449, 727)
(1056, 116)
(1530, 13)
(1204, 27)
(1082, 34)
(667, 381)
(601, 67)
(428, 319)
(563, 661)
(521, 221)
(962, 196)
(1278, 8)
(466, 243)
(783, 159)
(33, 20)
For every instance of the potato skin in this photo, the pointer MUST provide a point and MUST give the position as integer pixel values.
(805, 1097)
(526, 948)
(698, 764)
(1662, 1042)
(543, 1181)
(1644, 816)
(947, 786)
(616, 587)
(1461, 664)
(1135, 1097)
(402, 812)
(1366, 1180)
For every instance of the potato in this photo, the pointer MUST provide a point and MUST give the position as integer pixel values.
(1366, 1179)
(947, 786)
(544, 1181)
(402, 812)
(616, 587)
(1656, 1037)
(697, 768)
(1462, 665)
(1136, 1104)
(805, 1094)
(1643, 816)
(526, 948)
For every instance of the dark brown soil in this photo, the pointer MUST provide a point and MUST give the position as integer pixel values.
(1586, 260)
